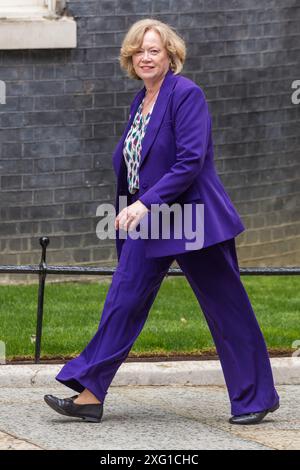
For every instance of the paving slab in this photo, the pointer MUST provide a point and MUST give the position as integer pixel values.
(146, 417)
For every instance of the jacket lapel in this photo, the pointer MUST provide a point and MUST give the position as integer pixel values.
(157, 114)
(154, 123)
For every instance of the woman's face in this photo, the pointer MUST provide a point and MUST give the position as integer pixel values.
(151, 62)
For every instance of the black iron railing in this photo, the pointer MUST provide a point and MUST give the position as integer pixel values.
(43, 269)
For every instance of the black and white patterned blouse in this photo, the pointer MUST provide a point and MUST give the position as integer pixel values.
(133, 147)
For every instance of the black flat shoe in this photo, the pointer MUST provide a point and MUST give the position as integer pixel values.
(66, 406)
(252, 418)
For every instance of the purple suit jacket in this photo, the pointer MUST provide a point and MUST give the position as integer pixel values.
(177, 164)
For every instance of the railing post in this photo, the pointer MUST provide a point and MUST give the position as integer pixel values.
(44, 242)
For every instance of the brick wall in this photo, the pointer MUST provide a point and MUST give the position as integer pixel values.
(66, 110)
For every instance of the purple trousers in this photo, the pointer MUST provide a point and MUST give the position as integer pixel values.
(213, 274)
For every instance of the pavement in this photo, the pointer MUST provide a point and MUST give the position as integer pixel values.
(159, 406)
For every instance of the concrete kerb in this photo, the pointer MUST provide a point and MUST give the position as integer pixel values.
(286, 371)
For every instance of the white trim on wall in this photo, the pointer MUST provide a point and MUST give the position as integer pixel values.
(36, 24)
(24, 8)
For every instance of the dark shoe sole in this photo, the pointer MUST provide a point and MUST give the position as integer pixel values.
(257, 420)
(61, 411)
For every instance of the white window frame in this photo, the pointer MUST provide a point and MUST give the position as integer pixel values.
(31, 8)
(28, 24)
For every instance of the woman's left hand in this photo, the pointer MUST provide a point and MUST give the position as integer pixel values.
(130, 216)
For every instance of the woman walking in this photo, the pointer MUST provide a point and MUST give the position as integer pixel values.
(165, 156)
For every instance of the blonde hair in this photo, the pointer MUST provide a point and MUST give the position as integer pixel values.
(173, 43)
